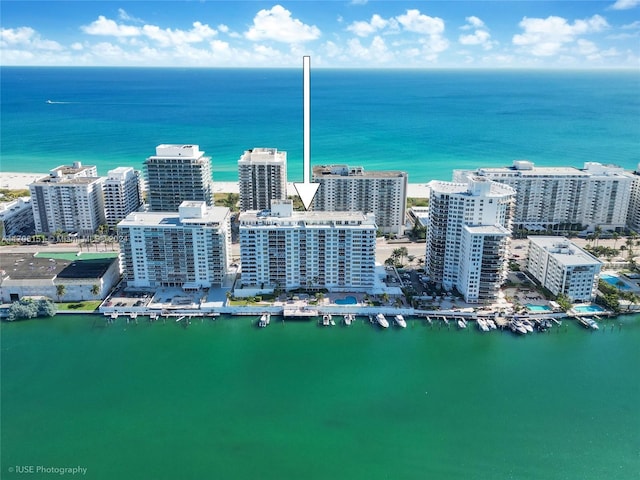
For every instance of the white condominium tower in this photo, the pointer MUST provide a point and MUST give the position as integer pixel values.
(177, 173)
(189, 249)
(563, 199)
(563, 268)
(468, 235)
(280, 248)
(633, 217)
(68, 200)
(262, 175)
(352, 189)
(122, 194)
(16, 218)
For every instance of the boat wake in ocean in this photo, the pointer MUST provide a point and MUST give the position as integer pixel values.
(57, 103)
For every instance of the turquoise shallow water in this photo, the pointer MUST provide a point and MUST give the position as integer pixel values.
(226, 400)
(426, 122)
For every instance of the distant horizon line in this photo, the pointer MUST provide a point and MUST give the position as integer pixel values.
(200, 67)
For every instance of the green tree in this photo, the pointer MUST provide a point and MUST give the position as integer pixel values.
(95, 289)
(60, 291)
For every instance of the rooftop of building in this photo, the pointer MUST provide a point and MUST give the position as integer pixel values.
(10, 206)
(22, 266)
(177, 151)
(66, 181)
(309, 217)
(487, 230)
(73, 169)
(263, 154)
(345, 171)
(564, 251)
(475, 185)
(210, 215)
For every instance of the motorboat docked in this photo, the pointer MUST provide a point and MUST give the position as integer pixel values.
(462, 323)
(543, 324)
(400, 321)
(327, 320)
(491, 324)
(382, 321)
(517, 327)
(482, 325)
(264, 320)
(589, 322)
(348, 319)
(528, 325)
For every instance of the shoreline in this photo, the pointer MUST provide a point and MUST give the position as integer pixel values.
(21, 180)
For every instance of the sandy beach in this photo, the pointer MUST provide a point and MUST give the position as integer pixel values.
(20, 180)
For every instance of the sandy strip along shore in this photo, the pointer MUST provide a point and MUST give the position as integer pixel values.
(19, 180)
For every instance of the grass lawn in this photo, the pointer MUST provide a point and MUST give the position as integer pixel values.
(84, 305)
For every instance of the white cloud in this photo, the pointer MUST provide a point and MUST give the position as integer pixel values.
(631, 26)
(625, 4)
(110, 28)
(473, 22)
(364, 28)
(376, 53)
(165, 37)
(277, 24)
(77, 46)
(586, 47)
(414, 21)
(547, 36)
(123, 15)
(480, 36)
(26, 38)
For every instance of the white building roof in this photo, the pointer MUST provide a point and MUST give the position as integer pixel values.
(565, 252)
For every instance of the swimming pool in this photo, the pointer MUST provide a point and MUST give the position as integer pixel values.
(538, 308)
(589, 309)
(613, 281)
(346, 301)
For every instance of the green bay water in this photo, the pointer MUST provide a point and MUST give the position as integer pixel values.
(223, 399)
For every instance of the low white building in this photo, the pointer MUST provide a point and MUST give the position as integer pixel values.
(190, 248)
(284, 249)
(563, 268)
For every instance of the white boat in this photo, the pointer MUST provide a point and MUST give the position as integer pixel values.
(348, 319)
(327, 320)
(482, 325)
(491, 324)
(462, 323)
(400, 321)
(382, 321)
(517, 327)
(589, 323)
(527, 324)
(264, 320)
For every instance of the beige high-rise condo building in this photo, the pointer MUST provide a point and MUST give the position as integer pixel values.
(262, 177)
(69, 200)
(190, 248)
(352, 189)
(280, 248)
(177, 173)
(563, 199)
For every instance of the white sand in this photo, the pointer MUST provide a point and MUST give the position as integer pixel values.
(18, 181)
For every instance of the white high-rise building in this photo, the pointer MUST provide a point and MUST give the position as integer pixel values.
(262, 176)
(69, 200)
(122, 194)
(177, 173)
(468, 236)
(284, 249)
(563, 199)
(563, 268)
(633, 216)
(189, 249)
(352, 189)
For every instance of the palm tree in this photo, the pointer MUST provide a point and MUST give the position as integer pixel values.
(615, 237)
(596, 234)
(60, 291)
(385, 297)
(95, 289)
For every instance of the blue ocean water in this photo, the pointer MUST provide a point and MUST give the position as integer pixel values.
(425, 122)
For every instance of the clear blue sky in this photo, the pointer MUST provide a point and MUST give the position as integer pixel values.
(357, 33)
